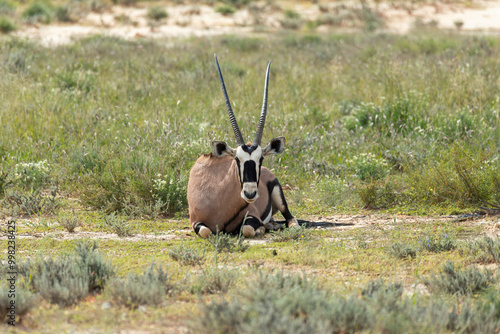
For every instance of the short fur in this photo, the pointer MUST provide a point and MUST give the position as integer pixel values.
(214, 196)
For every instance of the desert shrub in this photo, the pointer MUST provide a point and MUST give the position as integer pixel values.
(32, 175)
(69, 221)
(186, 255)
(129, 3)
(5, 182)
(7, 7)
(460, 281)
(24, 300)
(225, 9)
(38, 12)
(6, 25)
(367, 166)
(286, 304)
(124, 187)
(291, 20)
(298, 233)
(483, 250)
(226, 243)
(65, 280)
(31, 202)
(157, 13)
(442, 242)
(118, 225)
(215, 280)
(402, 250)
(244, 44)
(149, 288)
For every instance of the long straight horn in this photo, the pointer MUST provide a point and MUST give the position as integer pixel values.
(236, 129)
(263, 113)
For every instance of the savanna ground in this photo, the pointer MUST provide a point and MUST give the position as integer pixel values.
(394, 138)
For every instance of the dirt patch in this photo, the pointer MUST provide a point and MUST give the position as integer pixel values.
(201, 20)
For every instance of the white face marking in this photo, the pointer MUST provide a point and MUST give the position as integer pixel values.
(249, 179)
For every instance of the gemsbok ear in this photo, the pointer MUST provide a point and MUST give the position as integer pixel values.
(275, 146)
(221, 149)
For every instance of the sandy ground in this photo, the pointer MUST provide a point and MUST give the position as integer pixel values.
(200, 20)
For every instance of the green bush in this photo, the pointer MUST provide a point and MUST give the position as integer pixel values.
(31, 202)
(6, 25)
(215, 280)
(7, 7)
(186, 255)
(293, 233)
(38, 12)
(157, 13)
(483, 250)
(24, 301)
(66, 280)
(402, 250)
(117, 225)
(225, 10)
(226, 243)
(150, 288)
(69, 222)
(461, 281)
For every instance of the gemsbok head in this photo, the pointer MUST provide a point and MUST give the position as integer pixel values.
(229, 190)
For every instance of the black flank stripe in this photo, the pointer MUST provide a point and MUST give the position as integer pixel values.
(235, 216)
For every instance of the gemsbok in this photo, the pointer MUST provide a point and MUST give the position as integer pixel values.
(229, 190)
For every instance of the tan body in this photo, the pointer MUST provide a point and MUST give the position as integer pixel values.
(214, 196)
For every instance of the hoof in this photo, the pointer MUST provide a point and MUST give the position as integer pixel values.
(261, 230)
(292, 223)
(204, 232)
(248, 231)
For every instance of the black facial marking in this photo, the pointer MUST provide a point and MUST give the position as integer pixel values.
(239, 171)
(250, 171)
(249, 149)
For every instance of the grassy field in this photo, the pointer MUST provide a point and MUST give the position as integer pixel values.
(100, 135)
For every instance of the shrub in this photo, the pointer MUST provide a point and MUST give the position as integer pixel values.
(118, 226)
(186, 255)
(402, 250)
(484, 250)
(294, 233)
(7, 7)
(439, 243)
(215, 280)
(223, 242)
(31, 203)
(368, 167)
(23, 298)
(225, 10)
(69, 222)
(38, 12)
(157, 13)
(32, 175)
(68, 279)
(460, 281)
(6, 25)
(150, 288)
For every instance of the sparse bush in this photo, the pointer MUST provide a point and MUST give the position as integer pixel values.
(402, 250)
(225, 243)
(24, 300)
(215, 280)
(69, 222)
(7, 7)
(438, 243)
(31, 203)
(150, 288)
(291, 20)
(483, 250)
(32, 175)
(460, 281)
(6, 25)
(294, 233)
(68, 279)
(367, 166)
(157, 13)
(225, 10)
(38, 12)
(117, 225)
(186, 255)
